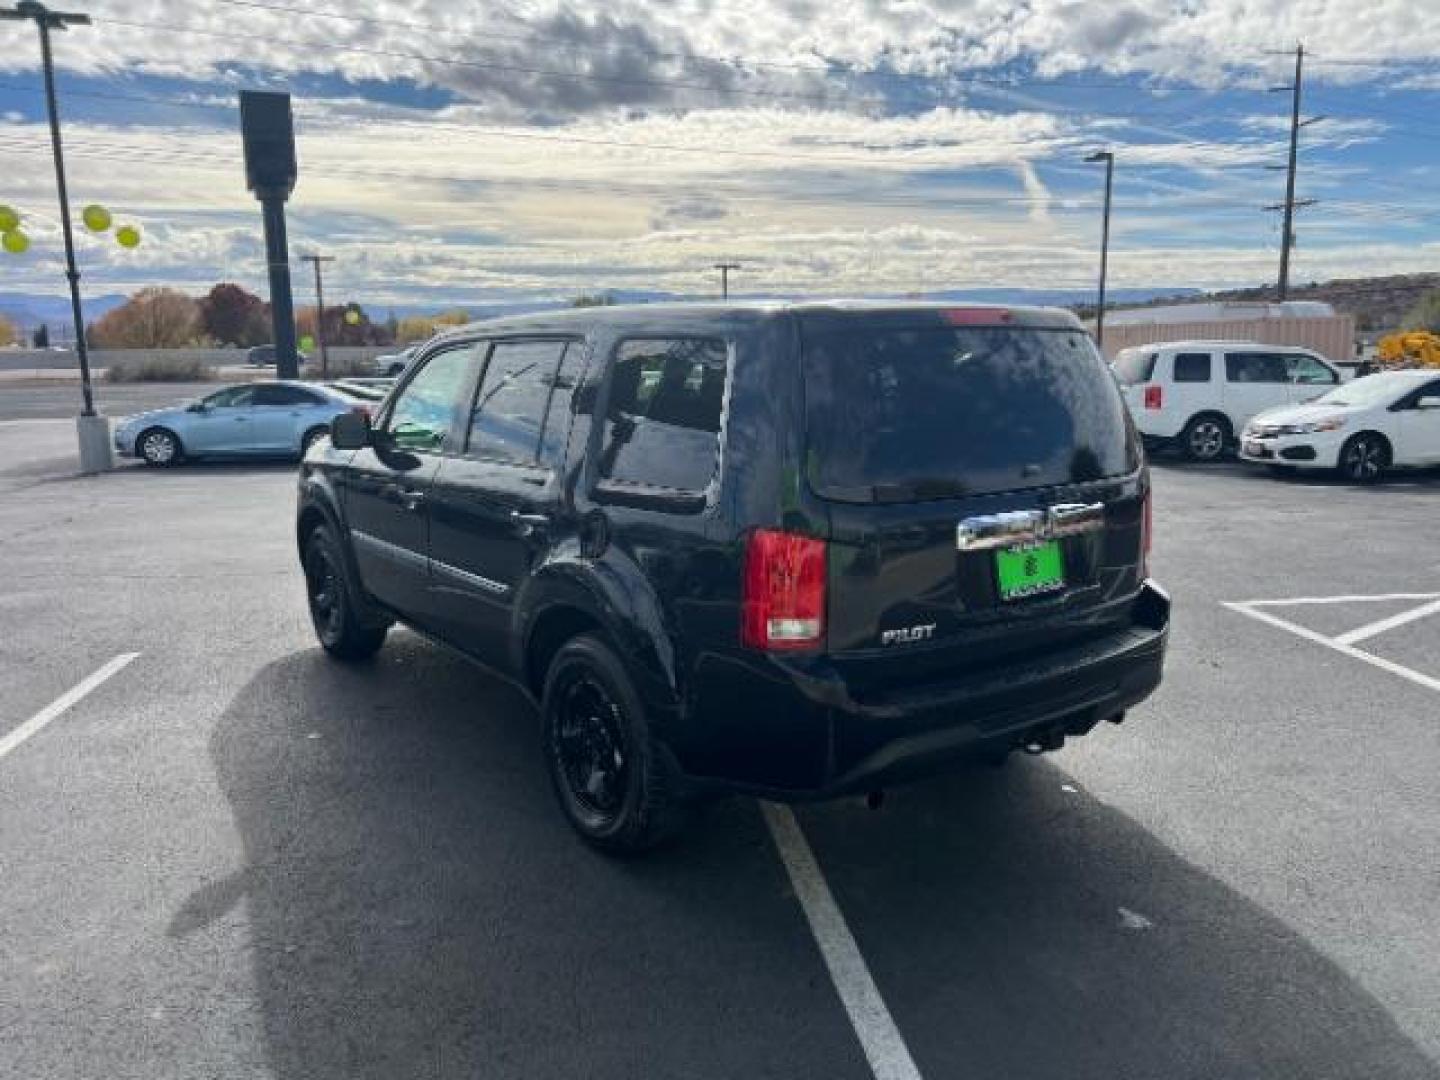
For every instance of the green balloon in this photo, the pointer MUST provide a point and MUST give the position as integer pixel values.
(96, 217)
(15, 242)
(307, 344)
(352, 317)
(127, 236)
(9, 219)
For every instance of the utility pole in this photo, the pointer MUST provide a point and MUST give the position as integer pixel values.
(725, 268)
(1291, 204)
(316, 260)
(1108, 157)
(96, 452)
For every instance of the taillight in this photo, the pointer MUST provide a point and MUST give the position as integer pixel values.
(1154, 397)
(783, 603)
(1147, 533)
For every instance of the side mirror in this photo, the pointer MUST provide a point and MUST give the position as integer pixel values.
(1428, 402)
(351, 431)
(197, 406)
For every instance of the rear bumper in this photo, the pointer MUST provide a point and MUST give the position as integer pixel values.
(796, 733)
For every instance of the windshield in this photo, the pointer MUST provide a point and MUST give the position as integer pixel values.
(914, 414)
(1370, 390)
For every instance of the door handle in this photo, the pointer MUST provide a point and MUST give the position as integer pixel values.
(528, 523)
(411, 499)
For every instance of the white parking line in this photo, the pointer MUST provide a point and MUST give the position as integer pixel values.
(1417, 677)
(1299, 600)
(879, 1037)
(1382, 625)
(37, 722)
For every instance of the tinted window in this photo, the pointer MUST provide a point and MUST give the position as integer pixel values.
(1256, 368)
(662, 427)
(1133, 367)
(231, 397)
(425, 411)
(1192, 367)
(1412, 401)
(904, 415)
(1308, 370)
(510, 406)
(271, 394)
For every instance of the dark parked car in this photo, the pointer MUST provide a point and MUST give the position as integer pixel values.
(797, 550)
(264, 356)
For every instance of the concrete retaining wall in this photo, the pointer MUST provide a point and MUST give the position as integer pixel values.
(50, 360)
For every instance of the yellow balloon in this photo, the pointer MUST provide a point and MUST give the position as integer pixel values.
(96, 217)
(127, 236)
(353, 318)
(9, 219)
(15, 242)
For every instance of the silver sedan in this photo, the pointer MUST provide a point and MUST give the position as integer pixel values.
(265, 419)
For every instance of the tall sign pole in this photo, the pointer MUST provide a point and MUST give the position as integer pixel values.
(96, 453)
(270, 170)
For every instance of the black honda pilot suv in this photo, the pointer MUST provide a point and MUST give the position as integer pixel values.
(798, 550)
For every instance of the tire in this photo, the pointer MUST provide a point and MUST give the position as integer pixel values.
(1205, 437)
(329, 594)
(615, 784)
(1364, 458)
(159, 448)
(311, 438)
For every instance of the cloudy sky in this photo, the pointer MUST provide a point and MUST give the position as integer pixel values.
(523, 148)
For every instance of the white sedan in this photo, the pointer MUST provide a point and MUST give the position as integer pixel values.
(1361, 428)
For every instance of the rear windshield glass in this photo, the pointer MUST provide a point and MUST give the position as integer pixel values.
(909, 415)
(1133, 366)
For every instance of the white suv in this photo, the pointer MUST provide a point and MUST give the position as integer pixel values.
(1200, 395)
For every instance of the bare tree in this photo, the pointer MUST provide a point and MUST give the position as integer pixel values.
(151, 319)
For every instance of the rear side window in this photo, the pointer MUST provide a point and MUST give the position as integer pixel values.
(662, 426)
(1133, 367)
(1256, 367)
(273, 394)
(509, 414)
(1192, 367)
(907, 415)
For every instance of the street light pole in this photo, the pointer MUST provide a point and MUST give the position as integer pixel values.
(725, 268)
(315, 261)
(1108, 157)
(95, 450)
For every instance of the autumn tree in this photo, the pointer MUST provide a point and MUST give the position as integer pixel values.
(235, 316)
(151, 319)
(8, 334)
(1425, 315)
(340, 328)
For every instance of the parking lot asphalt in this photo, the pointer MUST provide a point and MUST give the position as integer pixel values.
(236, 858)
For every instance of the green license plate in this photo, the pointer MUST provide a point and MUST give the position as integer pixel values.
(1030, 570)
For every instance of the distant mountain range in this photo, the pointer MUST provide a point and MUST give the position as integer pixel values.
(30, 310)
(1375, 302)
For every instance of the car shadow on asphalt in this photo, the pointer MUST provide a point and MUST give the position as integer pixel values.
(417, 907)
